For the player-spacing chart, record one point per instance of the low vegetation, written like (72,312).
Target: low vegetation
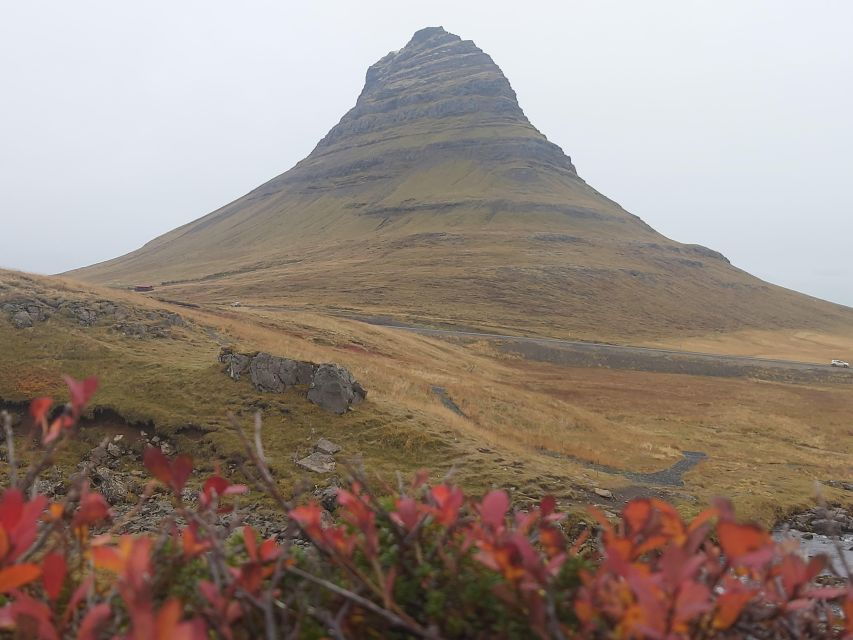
(416,560)
(530,428)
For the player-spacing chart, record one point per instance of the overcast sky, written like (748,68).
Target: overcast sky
(724,123)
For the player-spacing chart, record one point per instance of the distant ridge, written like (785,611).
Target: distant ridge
(435,200)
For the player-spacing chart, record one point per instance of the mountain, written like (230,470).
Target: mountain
(434,200)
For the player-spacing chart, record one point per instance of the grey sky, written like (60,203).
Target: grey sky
(725,123)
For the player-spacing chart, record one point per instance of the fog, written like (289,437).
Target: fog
(724,123)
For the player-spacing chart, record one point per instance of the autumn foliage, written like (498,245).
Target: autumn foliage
(417,560)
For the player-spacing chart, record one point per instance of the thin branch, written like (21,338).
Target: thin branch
(10,448)
(394,619)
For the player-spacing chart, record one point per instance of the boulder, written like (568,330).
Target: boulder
(334,389)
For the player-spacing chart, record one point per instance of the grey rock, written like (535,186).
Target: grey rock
(335,389)
(275,374)
(22,320)
(326,446)
(114,450)
(331,386)
(318,463)
(237,363)
(113,487)
(604,493)
(328,497)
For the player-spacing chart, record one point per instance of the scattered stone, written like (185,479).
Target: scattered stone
(113,450)
(808,536)
(325,446)
(328,497)
(318,463)
(603,493)
(113,487)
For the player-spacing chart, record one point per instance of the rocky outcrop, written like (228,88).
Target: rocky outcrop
(330,386)
(26,312)
(827,521)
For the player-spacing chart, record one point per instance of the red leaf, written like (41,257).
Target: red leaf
(32,612)
(81,391)
(407,514)
(93,509)
(157,464)
(494,507)
(449,500)
(11,507)
(182,467)
(54,569)
(18,575)
(547,506)
(94,618)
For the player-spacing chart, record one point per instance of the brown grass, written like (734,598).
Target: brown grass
(768,443)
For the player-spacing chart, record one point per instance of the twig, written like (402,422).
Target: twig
(394,619)
(10,448)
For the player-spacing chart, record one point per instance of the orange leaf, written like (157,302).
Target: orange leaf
(729,607)
(39,408)
(740,539)
(4,543)
(167,619)
(18,575)
(636,514)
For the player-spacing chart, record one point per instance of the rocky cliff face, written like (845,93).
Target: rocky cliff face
(440,79)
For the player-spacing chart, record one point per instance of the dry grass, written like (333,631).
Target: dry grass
(800,345)
(768,443)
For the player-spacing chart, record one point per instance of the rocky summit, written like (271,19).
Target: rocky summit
(434,200)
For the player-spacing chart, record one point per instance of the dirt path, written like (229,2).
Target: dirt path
(669,477)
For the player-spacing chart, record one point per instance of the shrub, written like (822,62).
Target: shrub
(418,560)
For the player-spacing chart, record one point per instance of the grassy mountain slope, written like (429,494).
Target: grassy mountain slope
(766,443)
(435,200)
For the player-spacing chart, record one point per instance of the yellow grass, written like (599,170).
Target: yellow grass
(767,442)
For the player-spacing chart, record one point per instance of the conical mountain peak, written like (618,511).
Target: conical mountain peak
(436,75)
(434,198)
